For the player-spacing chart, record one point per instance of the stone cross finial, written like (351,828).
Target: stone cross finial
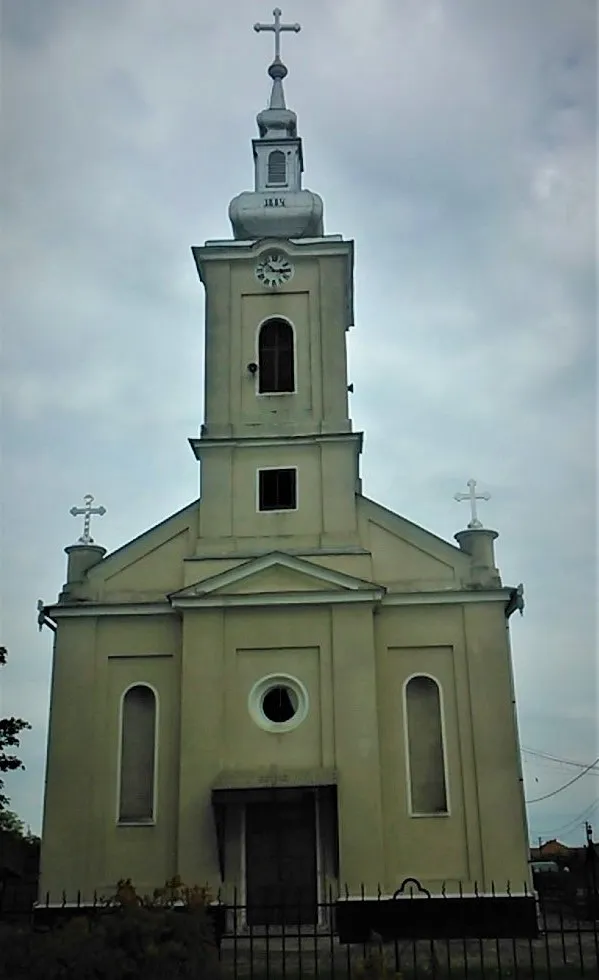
(277,28)
(473,496)
(86,512)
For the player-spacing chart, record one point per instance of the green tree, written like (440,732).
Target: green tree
(10,730)
(12,823)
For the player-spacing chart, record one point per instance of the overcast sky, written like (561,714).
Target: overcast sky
(454,140)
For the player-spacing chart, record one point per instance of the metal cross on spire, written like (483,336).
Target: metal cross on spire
(473,496)
(277,28)
(86,512)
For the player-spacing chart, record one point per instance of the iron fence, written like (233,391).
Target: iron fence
(271,942)
(565,942)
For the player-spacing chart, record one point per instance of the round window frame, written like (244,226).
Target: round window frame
(259,691)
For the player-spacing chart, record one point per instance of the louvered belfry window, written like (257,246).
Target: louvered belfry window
(426,754)
(277,167)
(275,355)
(138,740)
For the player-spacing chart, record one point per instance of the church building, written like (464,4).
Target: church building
(284,690)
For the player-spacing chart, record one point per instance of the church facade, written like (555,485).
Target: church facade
(285,689)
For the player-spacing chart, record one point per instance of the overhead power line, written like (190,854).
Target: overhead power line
(535,765)
(555,758)
(574,822)
(565,786)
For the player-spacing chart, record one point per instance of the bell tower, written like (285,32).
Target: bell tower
(279,459)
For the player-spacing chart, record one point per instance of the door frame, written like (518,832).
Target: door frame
(321,912)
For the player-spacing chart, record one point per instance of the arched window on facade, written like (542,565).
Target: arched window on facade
(276,369)
(138,750)
(426,755)
(277,167)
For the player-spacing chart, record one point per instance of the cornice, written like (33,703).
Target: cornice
(447,597)
(309,598)
(87,609)
(219,249)
(376,596)
(247,442)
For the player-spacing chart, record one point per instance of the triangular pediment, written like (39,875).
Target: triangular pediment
(408,557)
(147,567)
(277,574)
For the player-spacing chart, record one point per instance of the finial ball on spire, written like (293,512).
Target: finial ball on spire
(277,70)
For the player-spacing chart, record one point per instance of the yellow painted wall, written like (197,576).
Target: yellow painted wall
(326,486)
(160,570)
(94,663)
(315,301)
(354,660)
(145,854)
(495,745)
(353,657)
(67,832)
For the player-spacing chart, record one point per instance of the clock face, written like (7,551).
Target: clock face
(274,269)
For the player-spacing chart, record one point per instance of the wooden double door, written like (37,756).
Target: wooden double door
(280,860)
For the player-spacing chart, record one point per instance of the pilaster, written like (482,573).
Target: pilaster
(361,848)
(496,754)
(201,714)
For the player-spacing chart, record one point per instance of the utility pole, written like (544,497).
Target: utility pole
(591,869)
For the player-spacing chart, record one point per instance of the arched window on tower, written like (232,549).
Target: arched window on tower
(425,749)
(138,750)
(276,369)
(277,167)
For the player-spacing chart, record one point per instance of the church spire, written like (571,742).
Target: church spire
(278,207)
(277,117)
(277,120)
(277,71)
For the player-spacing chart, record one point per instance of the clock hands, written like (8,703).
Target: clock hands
(274,270)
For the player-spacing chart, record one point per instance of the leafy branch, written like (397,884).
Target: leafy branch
(10,730)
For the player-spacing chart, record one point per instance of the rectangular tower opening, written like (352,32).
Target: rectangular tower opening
(277,489)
